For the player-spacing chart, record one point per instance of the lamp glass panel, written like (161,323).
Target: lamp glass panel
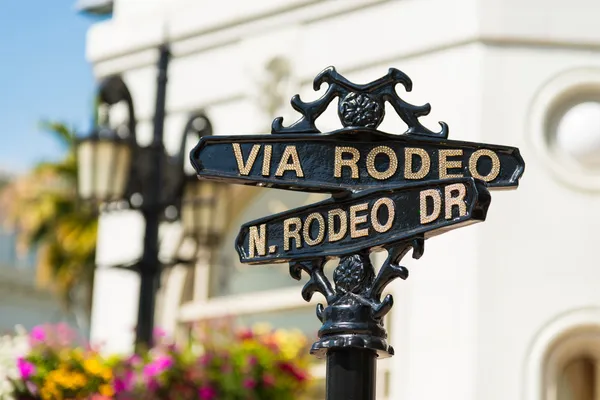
(85,168)
(121,173)
(112,160)
(204,211)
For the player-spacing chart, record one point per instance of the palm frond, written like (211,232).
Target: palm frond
(61,131)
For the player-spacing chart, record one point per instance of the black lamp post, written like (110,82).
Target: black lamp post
(114,168)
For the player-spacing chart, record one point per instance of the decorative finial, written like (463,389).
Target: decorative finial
(359,106)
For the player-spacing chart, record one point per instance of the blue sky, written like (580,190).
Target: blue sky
(43,75)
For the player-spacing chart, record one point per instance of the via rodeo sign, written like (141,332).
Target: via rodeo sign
(390,192)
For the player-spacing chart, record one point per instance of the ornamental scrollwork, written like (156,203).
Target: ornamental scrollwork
(354,300)
(359,106)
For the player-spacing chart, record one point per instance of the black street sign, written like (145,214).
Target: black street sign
(390,192)
(366,220)
(352,159)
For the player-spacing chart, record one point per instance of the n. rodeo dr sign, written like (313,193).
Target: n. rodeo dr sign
(369,219)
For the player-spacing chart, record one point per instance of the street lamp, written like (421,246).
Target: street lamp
(114,168)
(205,206)
(104,157)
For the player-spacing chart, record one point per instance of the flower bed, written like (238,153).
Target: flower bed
(220,363)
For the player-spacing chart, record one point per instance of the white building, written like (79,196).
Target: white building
(508,309)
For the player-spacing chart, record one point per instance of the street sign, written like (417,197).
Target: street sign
(389,192)
(352,159)
(373,219)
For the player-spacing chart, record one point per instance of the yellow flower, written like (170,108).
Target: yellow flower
(77,354)
(290,342)
(106,390)
(106,374)
(262,328)
(93,366)
(78,380)
(67,379)
(50,392)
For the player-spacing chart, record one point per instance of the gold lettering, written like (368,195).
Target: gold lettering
(355,220)
(257,240)
(266,168)
(381,228)
(340,162)
(458,200)
(237,151)
(437,205)
(445,164)
(341,214)
(291,234)
(307,225)
(409,152)
(392,166)
(290,152)
(493,174)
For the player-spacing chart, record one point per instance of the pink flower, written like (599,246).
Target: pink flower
(205,359)
(249,383)
(163,363)
(26,369)
(153,385)
(268,380)
(31,387)
(37,334)
(157,366)
(134,360)
(124,384)
(252,360)
(207,393)
(65,335)
(245,334)
(291,369)
(159,333)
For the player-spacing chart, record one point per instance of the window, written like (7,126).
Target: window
(564,122)
(577,380)
(573,366)
(575,132)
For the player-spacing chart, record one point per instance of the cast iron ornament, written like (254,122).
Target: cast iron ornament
(354,313)
(360,106)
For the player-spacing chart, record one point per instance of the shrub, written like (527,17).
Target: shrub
(219,363)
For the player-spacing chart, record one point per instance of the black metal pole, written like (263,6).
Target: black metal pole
(150,267)
(351,374)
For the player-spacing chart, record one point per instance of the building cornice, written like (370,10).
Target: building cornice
(189,32)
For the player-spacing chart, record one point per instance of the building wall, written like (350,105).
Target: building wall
(468,323)
(542,263)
